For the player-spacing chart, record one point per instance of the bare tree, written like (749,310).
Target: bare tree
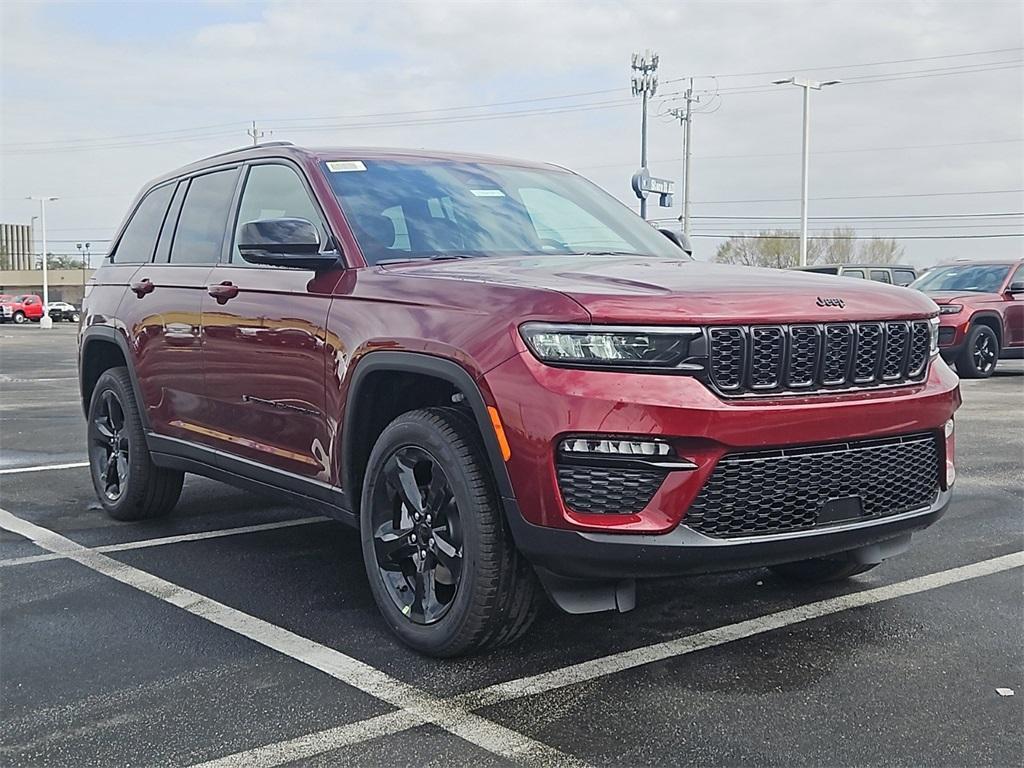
(781,249)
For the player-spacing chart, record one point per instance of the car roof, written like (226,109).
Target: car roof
(279,149)
(812,267)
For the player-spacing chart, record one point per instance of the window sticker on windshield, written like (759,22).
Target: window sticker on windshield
(345,166)
(487,192)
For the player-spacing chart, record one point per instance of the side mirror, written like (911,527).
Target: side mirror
(1017,286)
(283,243)
(679,239)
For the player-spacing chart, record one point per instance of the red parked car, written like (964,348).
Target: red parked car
(981,313)
(21,309)
(506,381)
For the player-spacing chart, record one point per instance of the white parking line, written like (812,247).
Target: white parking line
(178,539)
(421,705)
(280,753)
(43,468)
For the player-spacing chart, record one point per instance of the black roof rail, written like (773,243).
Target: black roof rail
(254,146)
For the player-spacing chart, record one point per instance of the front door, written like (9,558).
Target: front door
(1013,317)
(264,333)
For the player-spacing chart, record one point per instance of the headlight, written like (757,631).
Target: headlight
(950,309)
(610,346)
(933,326)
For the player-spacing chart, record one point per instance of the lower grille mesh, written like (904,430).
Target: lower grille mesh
(752,494)
(607,489)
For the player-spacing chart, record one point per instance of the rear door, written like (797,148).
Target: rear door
(163,306)
(264,329)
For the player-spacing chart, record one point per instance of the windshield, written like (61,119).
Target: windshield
(426,208)
(981,278)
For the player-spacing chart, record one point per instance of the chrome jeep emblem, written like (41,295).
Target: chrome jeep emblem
(831,301)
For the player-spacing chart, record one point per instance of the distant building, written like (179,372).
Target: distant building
(16,246)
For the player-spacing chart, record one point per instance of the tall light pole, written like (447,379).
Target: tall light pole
(44,321)
(645,83)
(807,85)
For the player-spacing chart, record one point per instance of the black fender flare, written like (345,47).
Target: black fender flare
(429,365)
(109,334)
(986,314)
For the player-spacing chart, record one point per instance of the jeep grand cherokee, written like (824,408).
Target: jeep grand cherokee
(506,381)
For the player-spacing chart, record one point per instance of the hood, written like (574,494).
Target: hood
(955,297)
(633,289)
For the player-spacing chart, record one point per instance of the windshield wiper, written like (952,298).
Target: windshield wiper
(435,257)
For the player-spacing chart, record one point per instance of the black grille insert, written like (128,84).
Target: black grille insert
(608,490)
(767,359)
(766,492)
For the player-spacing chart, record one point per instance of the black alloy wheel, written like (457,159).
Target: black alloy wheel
(109,446)
(417,535)
(440,560)
(127,482)
(980,355)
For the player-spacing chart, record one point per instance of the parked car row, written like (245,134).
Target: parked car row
(29,306)
(981,306)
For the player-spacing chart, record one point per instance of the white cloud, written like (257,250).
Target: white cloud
(300,59)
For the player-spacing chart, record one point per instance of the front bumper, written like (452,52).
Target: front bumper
(540,405)
(611,556)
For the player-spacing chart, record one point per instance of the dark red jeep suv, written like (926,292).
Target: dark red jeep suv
(981,313)
(506,381)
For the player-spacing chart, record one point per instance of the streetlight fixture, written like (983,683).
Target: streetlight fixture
(807,85)
(45,321)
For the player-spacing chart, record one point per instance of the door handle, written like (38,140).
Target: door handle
(142,287)
(223,291)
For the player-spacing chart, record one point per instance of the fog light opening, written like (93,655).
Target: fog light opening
(615,447)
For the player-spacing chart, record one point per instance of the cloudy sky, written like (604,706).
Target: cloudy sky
(98,98)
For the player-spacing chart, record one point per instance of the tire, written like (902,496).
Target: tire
(133,488)
(482,592)
(821,569)
(19,317)
(980,354)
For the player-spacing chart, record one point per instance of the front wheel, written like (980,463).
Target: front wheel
(129,485)
(821,569)
(980,355)
(19,317)
(442,566)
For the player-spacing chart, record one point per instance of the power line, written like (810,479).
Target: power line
(860,237)
(201,132)
(862,197)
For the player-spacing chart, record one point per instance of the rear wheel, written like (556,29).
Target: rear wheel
(128,484)
(822,569)
(980,355)
(440,560)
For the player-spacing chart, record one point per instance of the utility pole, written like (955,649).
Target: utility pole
(685,117)
(645,84)
(45,321)
(256,134)
(807,85)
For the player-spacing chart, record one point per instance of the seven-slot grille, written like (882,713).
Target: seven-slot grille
(766,492)
(762,359)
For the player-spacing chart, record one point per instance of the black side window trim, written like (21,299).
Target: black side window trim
(333,240)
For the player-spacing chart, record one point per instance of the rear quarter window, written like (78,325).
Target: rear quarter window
(139,239)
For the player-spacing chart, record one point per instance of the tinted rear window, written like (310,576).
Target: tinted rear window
(139,238)
(904,276)
(199,236)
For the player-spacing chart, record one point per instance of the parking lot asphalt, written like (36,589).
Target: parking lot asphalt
(242,631)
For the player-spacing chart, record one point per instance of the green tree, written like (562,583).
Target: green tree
(62,261)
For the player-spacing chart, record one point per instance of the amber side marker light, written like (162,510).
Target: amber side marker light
(499,432)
